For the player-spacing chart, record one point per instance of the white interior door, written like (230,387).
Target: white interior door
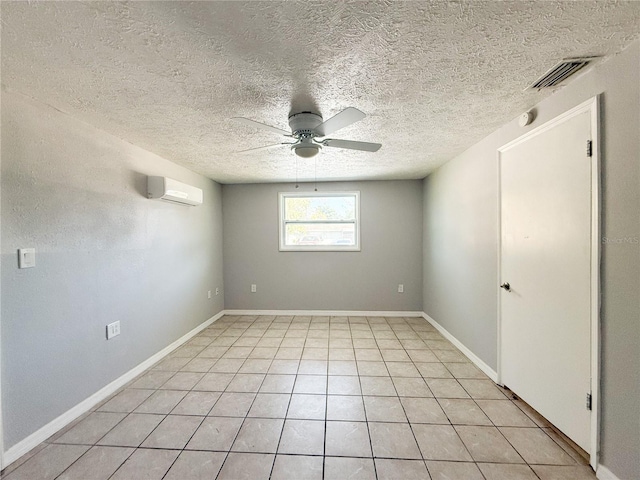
(545,331)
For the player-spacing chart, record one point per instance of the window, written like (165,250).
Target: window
(320,221)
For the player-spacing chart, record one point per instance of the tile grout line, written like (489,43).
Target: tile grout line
(213,406)
(127,414)
(260,324)
(415,439)
(228,453)
(275,456)
(448,418)
(200,424)
(364,408)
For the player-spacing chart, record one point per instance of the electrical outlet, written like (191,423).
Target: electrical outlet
(400,288)
(113,330)
(217,291)
(254,288)
(209,294)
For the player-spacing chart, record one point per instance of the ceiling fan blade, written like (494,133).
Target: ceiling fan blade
(340,120)
(352,145)
(264,126)
(266,147)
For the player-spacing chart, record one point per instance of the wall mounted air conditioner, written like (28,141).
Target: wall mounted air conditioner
(170,190)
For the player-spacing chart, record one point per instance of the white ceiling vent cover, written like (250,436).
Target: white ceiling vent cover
(559,73)
(170,190)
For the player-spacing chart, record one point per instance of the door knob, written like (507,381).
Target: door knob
(506,286)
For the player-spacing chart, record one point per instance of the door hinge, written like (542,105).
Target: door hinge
(589,148)
(588,401)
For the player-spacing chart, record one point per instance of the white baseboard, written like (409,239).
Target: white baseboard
(332,313)
(33,440)
(603,473)
(490,372)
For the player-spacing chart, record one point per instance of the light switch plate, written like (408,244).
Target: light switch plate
(26,257)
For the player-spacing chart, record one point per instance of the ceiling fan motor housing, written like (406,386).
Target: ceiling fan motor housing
(303,124)
(303,127)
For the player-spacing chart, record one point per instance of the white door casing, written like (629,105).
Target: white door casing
(549,254)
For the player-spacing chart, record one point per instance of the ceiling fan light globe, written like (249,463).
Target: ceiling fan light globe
(306,151)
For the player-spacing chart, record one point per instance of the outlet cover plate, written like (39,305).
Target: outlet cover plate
(113,330)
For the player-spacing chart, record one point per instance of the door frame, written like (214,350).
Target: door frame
(2,459)
(591,106)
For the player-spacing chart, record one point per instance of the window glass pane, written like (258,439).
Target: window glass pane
(320,208)
(328,234)
(319,221)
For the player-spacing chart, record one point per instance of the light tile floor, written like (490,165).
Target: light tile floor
(309,398)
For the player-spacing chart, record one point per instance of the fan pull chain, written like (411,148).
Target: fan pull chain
(297,172)
(315,174)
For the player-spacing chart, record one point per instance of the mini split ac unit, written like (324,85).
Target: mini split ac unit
(170,190)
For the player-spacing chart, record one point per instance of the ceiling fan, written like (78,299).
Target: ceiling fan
(308,130)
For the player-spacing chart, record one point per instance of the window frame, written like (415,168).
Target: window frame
(282,223)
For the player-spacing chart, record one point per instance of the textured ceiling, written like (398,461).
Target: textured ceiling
(433,77)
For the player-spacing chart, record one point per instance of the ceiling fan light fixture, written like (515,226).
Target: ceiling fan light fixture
(304,150)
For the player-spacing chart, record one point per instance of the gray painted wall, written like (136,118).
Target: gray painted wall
(391,226)
(460,227)
(104,252)
(460,246)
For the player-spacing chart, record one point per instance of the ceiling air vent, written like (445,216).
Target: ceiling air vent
(560,72)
